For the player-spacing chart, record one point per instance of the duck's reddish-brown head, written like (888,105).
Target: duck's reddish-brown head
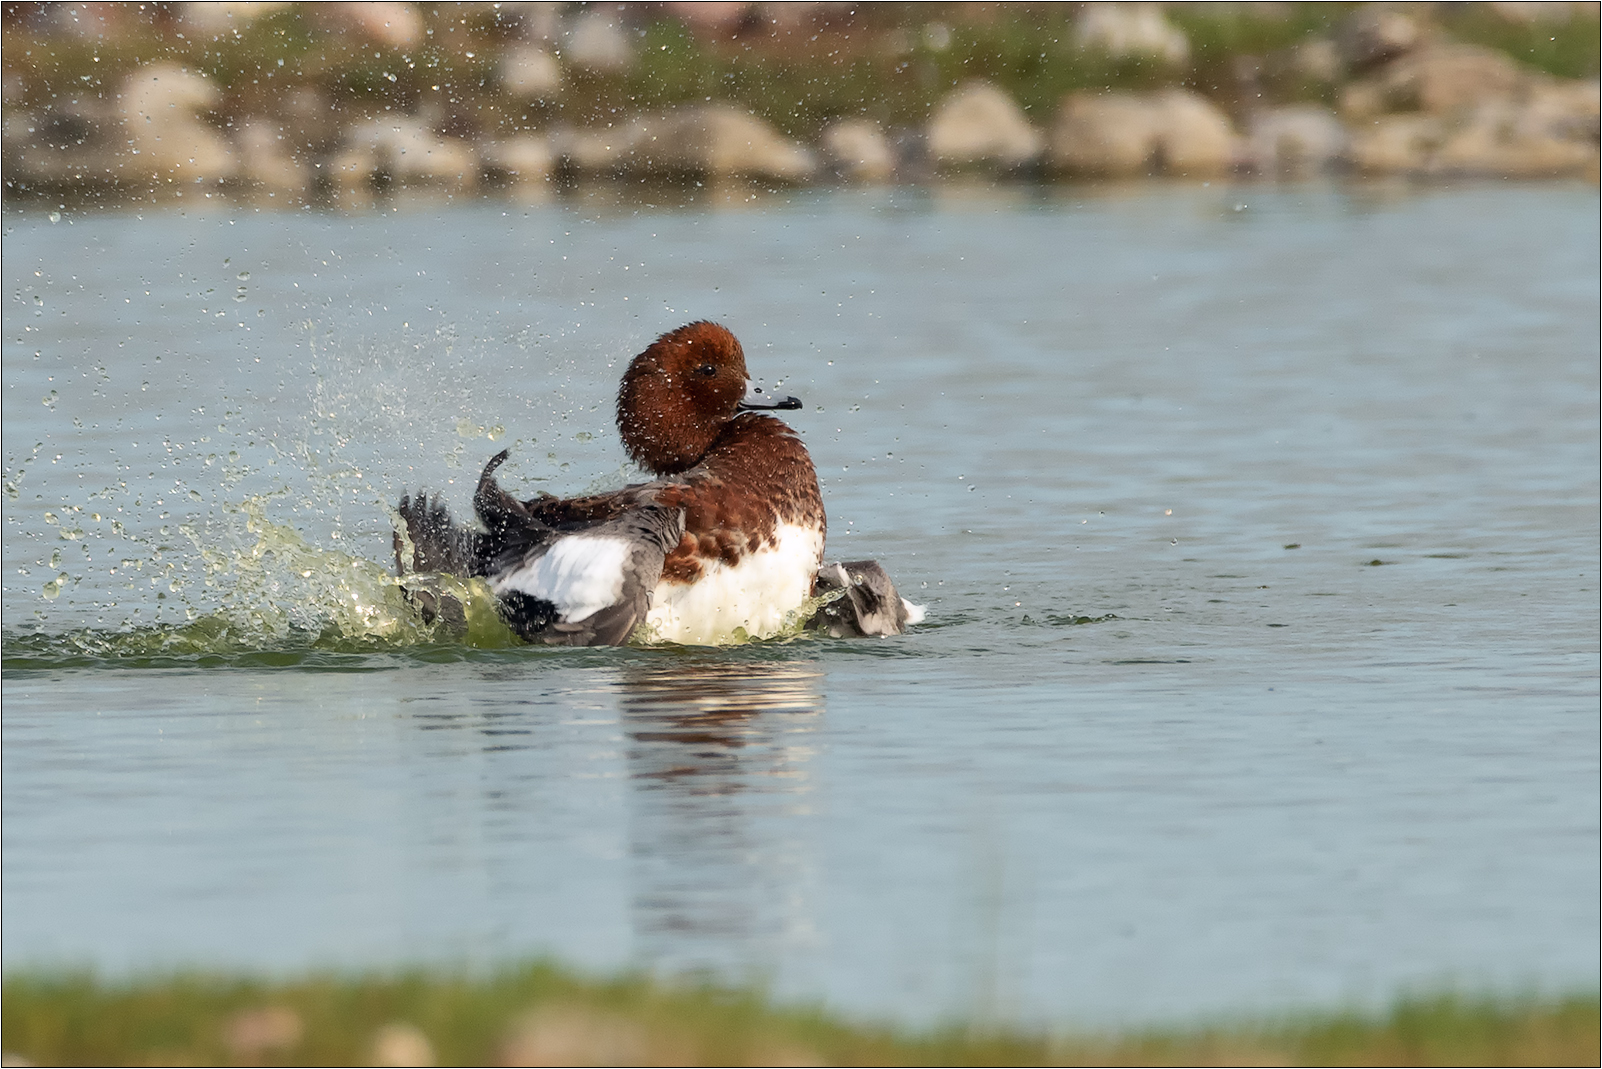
(677,396)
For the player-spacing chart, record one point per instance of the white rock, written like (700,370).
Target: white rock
(161,106)
(223,16)
(601,148)
(267,162)
(859,150)
(1545,11)
(401,1044)
(1194,135)
(1506,140)
(571,1034)
(1564,108)
(408,151)
(1442,78)
(1319,59)
(979,123)
(1105,134)
(1396,143)
(719,140)
(1121,30)
(1119,134)
(1299,139)
(392,25)
(1438,79)
(533,20)
(529,72)
(597,42)
(523,158)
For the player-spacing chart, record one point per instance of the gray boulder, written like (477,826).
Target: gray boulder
(1375,34)
(76,140)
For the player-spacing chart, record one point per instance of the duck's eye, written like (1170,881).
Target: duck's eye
(706,369)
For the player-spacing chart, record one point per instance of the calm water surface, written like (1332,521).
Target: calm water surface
(1258,529)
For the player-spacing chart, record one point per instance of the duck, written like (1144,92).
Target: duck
(725,542)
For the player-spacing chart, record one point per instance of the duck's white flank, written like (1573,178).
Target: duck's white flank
(580,574)
(752,596)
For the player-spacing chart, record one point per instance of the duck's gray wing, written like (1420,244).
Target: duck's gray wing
(587,584)
(869,604)
(586,587)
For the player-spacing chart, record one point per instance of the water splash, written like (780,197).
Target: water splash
(271,591)
(281,585)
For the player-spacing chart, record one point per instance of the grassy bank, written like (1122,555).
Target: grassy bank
(541,1015)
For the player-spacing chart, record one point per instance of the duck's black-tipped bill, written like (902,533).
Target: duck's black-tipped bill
(757,398)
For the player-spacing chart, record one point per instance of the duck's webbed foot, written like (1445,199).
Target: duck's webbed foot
(869,605)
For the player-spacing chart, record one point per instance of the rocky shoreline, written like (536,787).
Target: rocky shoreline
(287,104)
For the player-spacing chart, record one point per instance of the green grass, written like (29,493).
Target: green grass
(1568,48)
(519,1013)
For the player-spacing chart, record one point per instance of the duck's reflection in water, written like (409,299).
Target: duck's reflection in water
(722,869)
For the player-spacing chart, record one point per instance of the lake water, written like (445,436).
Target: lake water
(1258,528)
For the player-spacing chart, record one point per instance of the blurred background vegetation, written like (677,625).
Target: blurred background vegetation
(281,91)
(798,68)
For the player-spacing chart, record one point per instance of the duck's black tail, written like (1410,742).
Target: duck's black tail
(429,544)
